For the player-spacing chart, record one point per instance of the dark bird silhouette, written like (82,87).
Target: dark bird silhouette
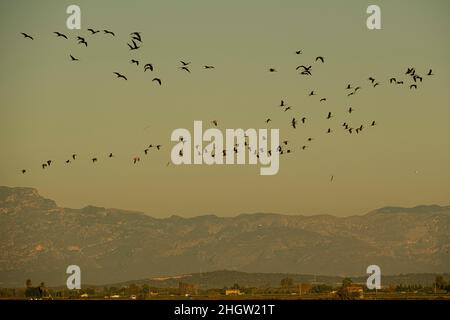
(148,66)
(329,115)
(158,147)
(305,68)
(323,99)
(331,178)
(73,58)
(24,171)
(44,165)
(120,75)
(413,86)
(146,151)
(376,84)
(310,139)
(399,82)
(298,52)
(82,41)
(186,69)
(110,155)
(430,73)
(92,31)
(136,36)
(294,123)
(303,119)
(208,67)
(304,147)
(351,93)
(373,123)
(329,130)
(134,45)
(136,159)
(185,63)
(109,32)
(135,61)
(272,70)
(74,156)
(49,162)
(417,77)
(350,110)
(59,34)
(157,80)
(357,88)
(26,35)
(67,161)
(287,108)
(312,93)
(215,123)
(94,160)
(371,79)
(392,80)
(282,104)
(348,87)
(268,120)
(410,71)
(319,58)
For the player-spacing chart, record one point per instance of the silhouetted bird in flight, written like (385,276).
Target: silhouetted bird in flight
(413,86)
(282,104)
(136,159)
(73,58)
(27,35)
(185,63)
(44,165)
(323,99)
(392,80)
(373,123)
(329,115)
(319,58)
(136,36)
(215,123)
(329,130)
(186,69)
(109,32)
(23,171)
(120,75)
(312,93)
(81,40)
(148,66)
(49,162)
(417,77)
(134,46)
(157,80)
(135,61)
(303,119)
(350,110)
(376,84)
(305,68)
(110,155)
(268,120)
(371,79)
(294,123)
(430,73)
(158,147)
(59,34)
(272,70)
(287,108)
(348,87)
(208,67)
(94,160)
(146,150)
(92,31)
(298,52)
(410,71)
(74,156)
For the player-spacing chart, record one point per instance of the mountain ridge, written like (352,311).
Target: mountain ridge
(38,239)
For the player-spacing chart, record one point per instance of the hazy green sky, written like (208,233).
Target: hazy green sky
(52,107)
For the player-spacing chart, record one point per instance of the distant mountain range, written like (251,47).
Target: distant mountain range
(38,240)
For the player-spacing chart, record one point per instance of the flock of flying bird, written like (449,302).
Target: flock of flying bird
(304,70)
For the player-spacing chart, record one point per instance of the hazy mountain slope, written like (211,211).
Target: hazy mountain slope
(39,240)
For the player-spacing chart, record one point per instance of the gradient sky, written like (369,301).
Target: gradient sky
(51,107)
